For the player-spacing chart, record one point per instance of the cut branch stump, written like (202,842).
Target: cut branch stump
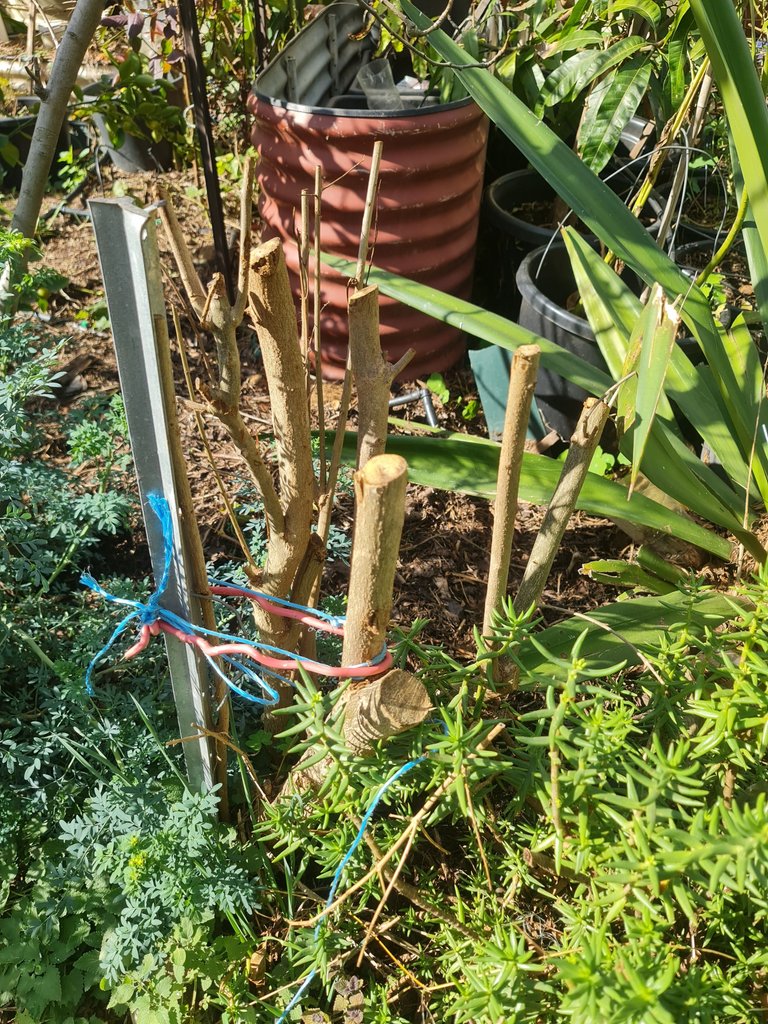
(372,373)
(397,701)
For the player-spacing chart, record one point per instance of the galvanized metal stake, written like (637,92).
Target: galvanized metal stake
(130,265)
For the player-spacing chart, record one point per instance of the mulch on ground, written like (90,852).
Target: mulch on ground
(446,539)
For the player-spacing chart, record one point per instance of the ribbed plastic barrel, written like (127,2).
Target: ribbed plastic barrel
(427,212)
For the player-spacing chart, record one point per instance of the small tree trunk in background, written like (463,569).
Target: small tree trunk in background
(53,110)
(31,27)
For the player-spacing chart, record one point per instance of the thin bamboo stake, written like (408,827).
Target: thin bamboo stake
(697,122)
(31,28)
(522,380)
(316,332)
(370,206)
(585,438)
(304,273)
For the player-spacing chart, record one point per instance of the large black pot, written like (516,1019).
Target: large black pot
(514,234)
(546,283)
(504,197)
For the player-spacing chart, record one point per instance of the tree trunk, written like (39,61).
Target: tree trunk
(53,109)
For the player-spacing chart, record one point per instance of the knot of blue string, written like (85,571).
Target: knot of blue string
(146,613)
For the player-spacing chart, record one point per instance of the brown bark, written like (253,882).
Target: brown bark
(274,317)
(379,515)
(263,282)
(585,438)
(373,375)
(522,380)
(370,713)
(371,372)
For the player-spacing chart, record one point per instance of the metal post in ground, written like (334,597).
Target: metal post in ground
(130,265)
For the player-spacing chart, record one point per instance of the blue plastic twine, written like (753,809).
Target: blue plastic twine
(145,613)
(338,873)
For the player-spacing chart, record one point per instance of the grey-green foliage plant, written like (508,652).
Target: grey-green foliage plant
(139,874)
(605,860)
(48,518)
(55,747)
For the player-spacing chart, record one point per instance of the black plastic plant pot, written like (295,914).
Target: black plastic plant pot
(511,206)
(704,189)
(546,284)
(134,153)
(18,132)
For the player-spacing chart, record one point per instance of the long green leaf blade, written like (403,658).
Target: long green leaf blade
(607,300)
(610,105)
(647,9)
(579,71)
(479,323)
(455,463)
(626,630)
(726,45)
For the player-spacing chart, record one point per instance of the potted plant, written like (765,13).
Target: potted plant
(139,118)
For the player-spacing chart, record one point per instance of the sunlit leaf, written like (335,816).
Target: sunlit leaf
(579,71)
(470,465)
(609,106)
(656,345)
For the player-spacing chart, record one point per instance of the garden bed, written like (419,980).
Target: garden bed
(446,539)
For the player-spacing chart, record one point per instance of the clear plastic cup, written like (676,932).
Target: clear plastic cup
(376,81)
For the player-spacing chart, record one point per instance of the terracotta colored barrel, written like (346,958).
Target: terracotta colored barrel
(426,227)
